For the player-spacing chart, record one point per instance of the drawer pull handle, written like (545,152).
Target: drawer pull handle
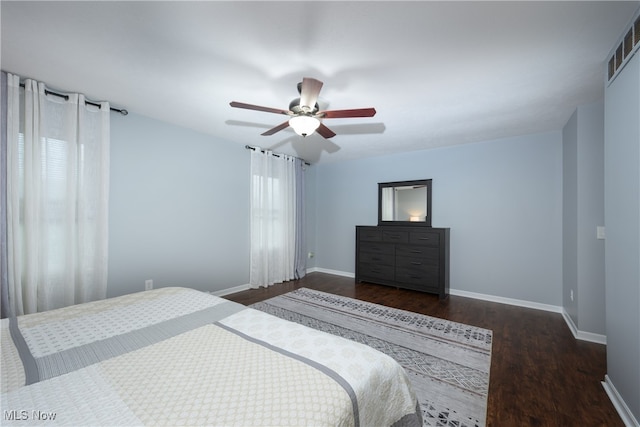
(415,263)
(416,251)
(424,238)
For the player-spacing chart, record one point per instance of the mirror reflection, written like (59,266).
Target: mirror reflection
(405,202)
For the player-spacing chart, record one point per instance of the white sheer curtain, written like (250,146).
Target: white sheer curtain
(275,219)
(57,198)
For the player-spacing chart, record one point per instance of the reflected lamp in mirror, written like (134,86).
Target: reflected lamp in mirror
(405,203)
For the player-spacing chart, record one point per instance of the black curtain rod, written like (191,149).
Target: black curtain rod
(248,147)
(66,98)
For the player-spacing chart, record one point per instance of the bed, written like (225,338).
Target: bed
(177,356)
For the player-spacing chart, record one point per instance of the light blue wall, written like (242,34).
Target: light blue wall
(622,245)
(502,200)
(570,217)
(179,208)
(310,212)
(583,211)
(591,273)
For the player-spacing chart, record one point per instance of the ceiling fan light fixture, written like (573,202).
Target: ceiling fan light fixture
(304,112)
(304,125)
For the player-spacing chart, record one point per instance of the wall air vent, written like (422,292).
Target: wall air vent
(628,43)
(625,49)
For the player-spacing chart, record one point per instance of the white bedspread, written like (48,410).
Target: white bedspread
(176,356)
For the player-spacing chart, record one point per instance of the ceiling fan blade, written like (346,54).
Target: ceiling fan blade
(325,131)
(258,108)
(276,129)
(309,93)
(358,112)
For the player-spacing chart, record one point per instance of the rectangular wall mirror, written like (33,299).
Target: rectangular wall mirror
(405,203)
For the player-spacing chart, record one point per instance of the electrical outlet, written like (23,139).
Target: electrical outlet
(311,255)
(148,284)
(600,233)
(571,294)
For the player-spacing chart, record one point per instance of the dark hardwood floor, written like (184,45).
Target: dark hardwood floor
(540,374)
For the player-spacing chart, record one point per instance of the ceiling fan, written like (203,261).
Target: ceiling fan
(304,112)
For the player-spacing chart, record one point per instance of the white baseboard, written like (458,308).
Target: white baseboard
(581,335)
(577,334)
(230,291)
(328,271)
(509,301)
(622,408)
(247,286)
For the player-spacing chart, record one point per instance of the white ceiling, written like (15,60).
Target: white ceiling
(438,73)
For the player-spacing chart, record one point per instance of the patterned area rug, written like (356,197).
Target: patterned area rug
(448,363)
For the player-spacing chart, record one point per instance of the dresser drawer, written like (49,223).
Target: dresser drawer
(417,264)
(426,276)
(369,234)
(395,236)
(427,238)
(417,251)
(376,258)
(375,271)
(377,248)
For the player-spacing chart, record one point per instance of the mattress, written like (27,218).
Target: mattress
(176,356)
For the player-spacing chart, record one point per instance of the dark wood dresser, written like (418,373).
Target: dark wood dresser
(405,257)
